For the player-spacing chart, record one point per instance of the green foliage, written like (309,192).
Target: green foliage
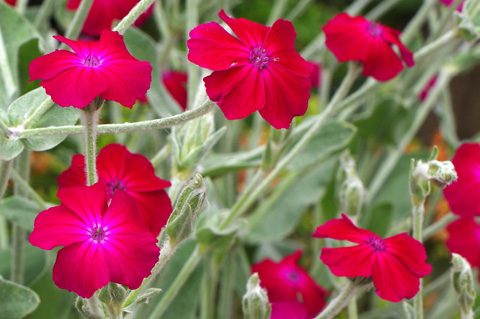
(16,300)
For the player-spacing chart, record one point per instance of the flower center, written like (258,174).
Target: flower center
(113,186)
(97,234)
(259,57)
(91,61)
(375,29)
(293,276)
(376,243)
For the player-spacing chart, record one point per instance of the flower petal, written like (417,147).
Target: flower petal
(50,65)
(74,175)
(287,95)
(211,47)
(239,91)
(81,268)
(380,60)
(58,226)
(351,261)
(252,34)
(409,252)
(342,229)
(289,310)
(154,208)
(464,239)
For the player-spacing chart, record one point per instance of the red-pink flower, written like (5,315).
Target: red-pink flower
(104,12)
(258,71)
(395,264)
(102,243)
(117,168)
(176,84)
(289,310)
(287,281)
(464,239)
(11,2)
(463,195)
(368,42)
(315,75)
(426,90)
(103,68)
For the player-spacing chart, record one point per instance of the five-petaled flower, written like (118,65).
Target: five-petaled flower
(287,281)
(104,12)
(464,239)
(463,196)
(258,71)
(104,68)
(368,42)
(118,169)
(395,264)
(102,242)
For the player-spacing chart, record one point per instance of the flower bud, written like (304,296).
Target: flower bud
(84,309)
(439,173)
(463,283)
(113,295)
(255,301)
(189,203)
(351,193)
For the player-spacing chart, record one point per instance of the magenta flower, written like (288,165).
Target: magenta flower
(258,71)
(103,68)
(104,12)
(102,243)
(426,90)
(287,281)
(463,195)
(395,264)
(464,239)
(117,168)
(368,42)
(315,75)
(176,84)
(11,2)
(289,310)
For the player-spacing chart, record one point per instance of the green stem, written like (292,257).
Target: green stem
(93,305)
(21,6)
(417,220)
(244,202)
(416,23)
(193,70)
(349,290)
(439,225)
(6,72)
(382,8)
(75,27)
(130,18)
(89,118)
(352,308)
(277,11)
(45,10)
(229,275)
(28,190)
(5,170)
(298,9)
(39,111)
(124,127)
(176,285)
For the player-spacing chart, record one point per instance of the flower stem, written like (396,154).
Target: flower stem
(5,170)
(124,127)
(439,225)
(75,27)
(21,5)
(415,24)
(174,288)
(89,118)
(6,72)
(349,290)
(130,18)
(39,111)
(417,220)
(45,10)
(27,189)
(94,307)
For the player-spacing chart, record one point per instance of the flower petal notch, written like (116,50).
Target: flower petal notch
(357,39)
(464,194)
(287,281)
(118,169)
(259,70)
(395,264)
(102,242)
(103,68)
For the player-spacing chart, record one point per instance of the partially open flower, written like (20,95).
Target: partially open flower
(104,68)
(368,42)
(395,264)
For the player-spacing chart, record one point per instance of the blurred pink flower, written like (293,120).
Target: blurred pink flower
(104,12)
(395,264)
(176,84)
(287,281)
(11,2)
(463,195)
(258,71)
(464,239)
(430,84)
(102,242)
(368,42)
(118,169)
(289,310)
(104,68)
(315,75)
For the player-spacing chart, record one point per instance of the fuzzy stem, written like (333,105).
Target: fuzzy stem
(349,290)
(39,111)
(27,189)
(75,27)
(417,217)
(415,24)
(124,127)
(130,18)
(21,5)
(5,170)
(93,305)
(89,118)
(45,11)
(6,72)
(176,285)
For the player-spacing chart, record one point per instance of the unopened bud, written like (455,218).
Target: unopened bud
(351,192)
(463,283)
(85,309)
(190,202)
(255,301)
(439,173)
(113,295)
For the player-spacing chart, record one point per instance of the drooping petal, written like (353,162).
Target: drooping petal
(287,95)
(392,280)
(279,44)
(409,252)
(58,226)
(81,268)
(154,207)
(239,91)
(464,239)
(211,47)
(463,194)
(342,229)
(252,34)
(74,175)
(380,61)
(351,261)
(392,36)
